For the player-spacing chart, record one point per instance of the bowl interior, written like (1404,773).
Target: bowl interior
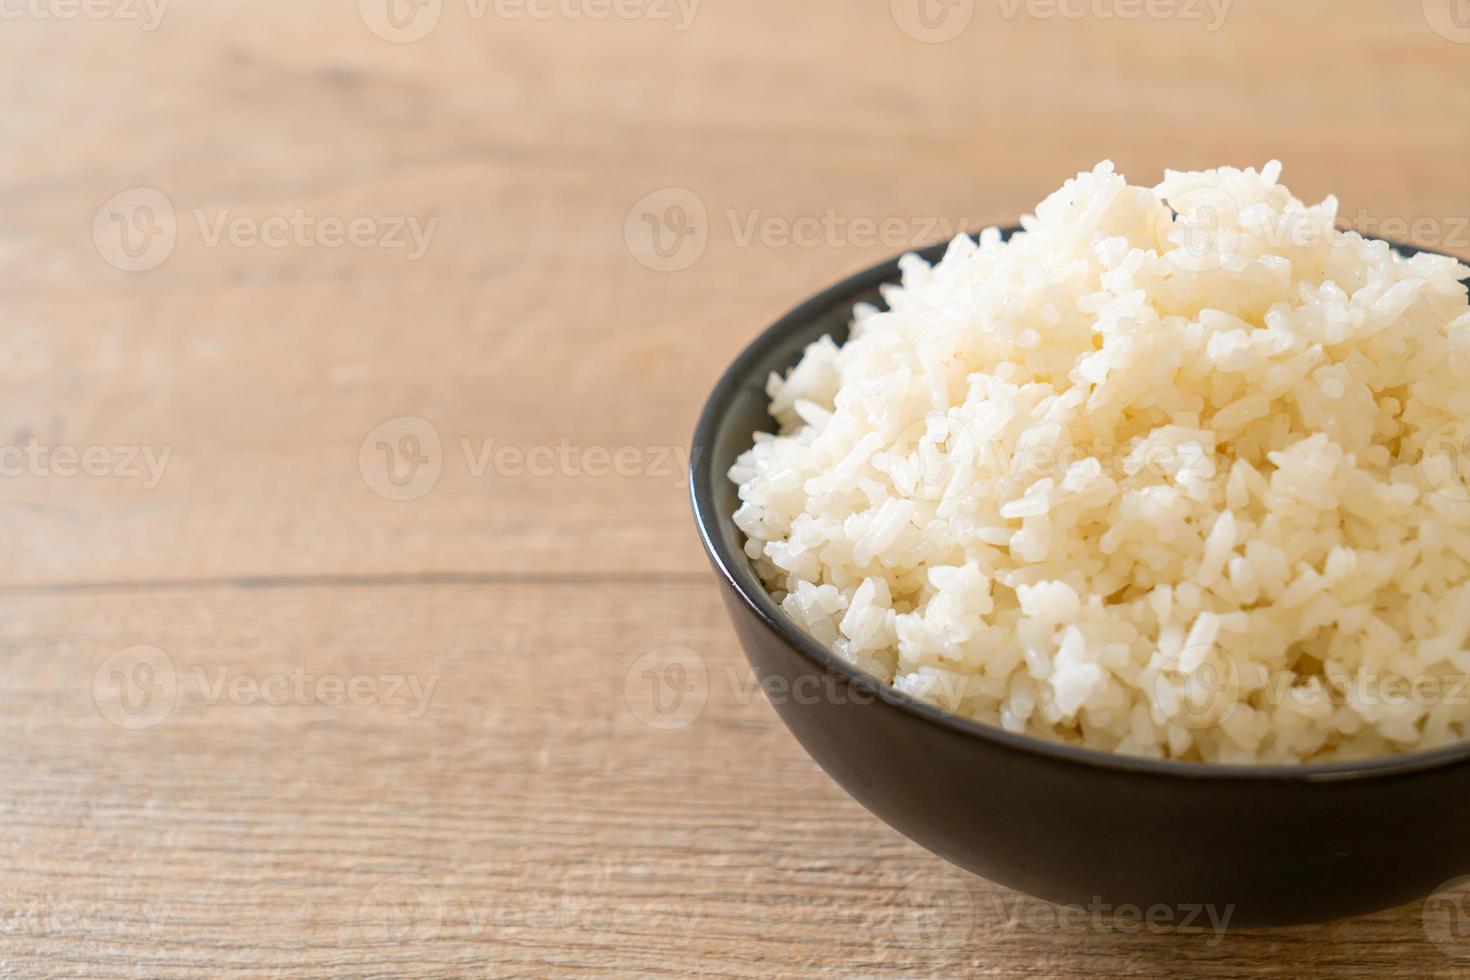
(738,408)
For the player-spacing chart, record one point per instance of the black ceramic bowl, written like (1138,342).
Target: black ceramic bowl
(1282,845)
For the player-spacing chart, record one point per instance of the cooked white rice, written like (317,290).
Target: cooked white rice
(1172,473)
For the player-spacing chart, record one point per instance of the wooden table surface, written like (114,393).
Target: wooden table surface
(346,556)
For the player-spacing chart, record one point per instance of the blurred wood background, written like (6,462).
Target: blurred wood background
(267,718)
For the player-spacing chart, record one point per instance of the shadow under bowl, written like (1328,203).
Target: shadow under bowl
(1275,845)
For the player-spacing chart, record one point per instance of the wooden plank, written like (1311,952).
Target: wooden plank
(261,370)
(519,817)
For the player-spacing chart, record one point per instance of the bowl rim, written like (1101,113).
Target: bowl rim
(735,571)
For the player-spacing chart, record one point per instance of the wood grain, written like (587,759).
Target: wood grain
(521,815)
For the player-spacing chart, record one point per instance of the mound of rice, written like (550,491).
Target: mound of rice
(1173,473)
